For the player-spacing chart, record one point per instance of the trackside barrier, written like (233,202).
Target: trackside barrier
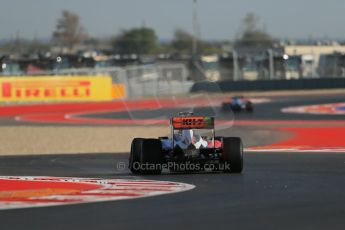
(138,81)
(58,88)
(118,91)
(262,85)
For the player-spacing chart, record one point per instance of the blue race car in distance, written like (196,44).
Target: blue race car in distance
(238,104)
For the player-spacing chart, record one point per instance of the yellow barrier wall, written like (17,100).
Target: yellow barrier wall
(56,88)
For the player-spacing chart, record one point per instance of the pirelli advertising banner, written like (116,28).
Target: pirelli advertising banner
(56,88)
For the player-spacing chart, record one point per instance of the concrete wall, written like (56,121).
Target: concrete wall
(262,85)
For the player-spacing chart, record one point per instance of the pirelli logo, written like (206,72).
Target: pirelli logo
(56,88)
(15,90)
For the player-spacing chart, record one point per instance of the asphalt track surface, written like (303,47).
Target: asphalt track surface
(275,191)
(265,111)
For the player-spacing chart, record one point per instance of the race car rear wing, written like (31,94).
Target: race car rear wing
(192,122)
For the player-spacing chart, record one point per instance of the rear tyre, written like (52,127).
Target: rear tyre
(233,154)
(134,157)
(151,157)
(146,156)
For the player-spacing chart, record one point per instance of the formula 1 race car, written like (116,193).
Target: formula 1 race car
(188,149)
(238,104)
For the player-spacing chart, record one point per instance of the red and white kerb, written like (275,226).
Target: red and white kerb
(28,191)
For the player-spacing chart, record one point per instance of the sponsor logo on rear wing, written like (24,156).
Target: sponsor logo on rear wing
(192,122)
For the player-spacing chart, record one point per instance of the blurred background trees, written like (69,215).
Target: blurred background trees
(69,36)
(136,41)
(182,44)
(69,32)
(252,35)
